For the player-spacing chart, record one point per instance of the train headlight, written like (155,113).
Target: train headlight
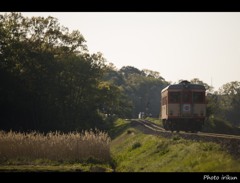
(186,107)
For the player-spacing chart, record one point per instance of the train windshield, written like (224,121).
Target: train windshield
(186,98)
(174,97)
(198,97)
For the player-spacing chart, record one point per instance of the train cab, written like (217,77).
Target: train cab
(183,106)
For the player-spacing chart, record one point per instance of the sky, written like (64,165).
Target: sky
(178,45)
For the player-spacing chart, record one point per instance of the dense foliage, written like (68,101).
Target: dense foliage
(49,81)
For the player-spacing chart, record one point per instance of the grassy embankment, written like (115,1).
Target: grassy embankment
(134,151)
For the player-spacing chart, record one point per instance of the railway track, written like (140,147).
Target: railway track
(151,125)
(226,136)
(158,128)
(230,142)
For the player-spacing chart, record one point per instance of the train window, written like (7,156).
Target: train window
(198,97)
(174,97)
(186,97)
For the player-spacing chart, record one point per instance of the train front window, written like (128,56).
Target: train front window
(198,97)
(174,97)
(186,98)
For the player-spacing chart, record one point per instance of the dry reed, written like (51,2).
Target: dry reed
(55,145)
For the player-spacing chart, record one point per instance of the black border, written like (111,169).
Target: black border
(118,176)
(118,6)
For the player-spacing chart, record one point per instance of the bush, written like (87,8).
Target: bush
(136,145)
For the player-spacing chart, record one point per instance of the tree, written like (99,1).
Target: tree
(49,81)
(144,91)
(209,89)
(213,105)
(113,101)
(130,70)
(230,103)
(112,75)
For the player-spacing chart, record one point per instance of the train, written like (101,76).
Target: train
(183,107)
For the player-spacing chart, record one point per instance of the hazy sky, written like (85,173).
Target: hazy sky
(179,45)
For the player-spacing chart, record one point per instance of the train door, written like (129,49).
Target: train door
(186,107)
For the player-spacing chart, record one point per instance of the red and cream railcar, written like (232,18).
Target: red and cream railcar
(183,107)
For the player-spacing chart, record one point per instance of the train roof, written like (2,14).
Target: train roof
(185,85)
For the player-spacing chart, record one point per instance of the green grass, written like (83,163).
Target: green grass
(45,165)
(157,121)
(134,151)
(51,168)
(118,127)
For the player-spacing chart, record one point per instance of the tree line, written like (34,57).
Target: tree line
(50,81)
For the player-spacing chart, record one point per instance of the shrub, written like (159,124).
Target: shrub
(136,145)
